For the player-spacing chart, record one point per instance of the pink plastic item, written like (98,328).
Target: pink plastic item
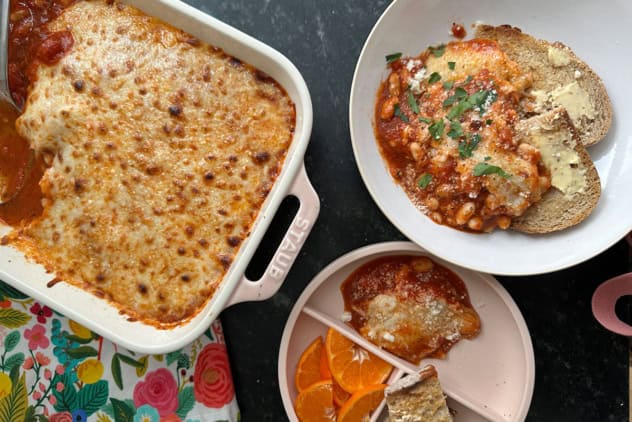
(604,300)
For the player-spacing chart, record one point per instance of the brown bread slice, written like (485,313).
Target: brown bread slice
(554,66)
(557,210)
(417,397)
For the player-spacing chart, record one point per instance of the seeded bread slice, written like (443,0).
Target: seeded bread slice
(559,77)
(576,185)
(417,397)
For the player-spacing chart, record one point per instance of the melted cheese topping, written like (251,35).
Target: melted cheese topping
(161,150)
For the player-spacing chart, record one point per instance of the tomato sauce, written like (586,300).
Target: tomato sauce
(29,45)
(30,42)
(23,170)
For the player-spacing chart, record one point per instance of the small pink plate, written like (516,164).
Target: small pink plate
(490,377)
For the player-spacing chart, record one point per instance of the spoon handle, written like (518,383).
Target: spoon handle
(4,51)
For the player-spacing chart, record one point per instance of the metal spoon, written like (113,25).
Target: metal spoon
(5,94)
(6,193)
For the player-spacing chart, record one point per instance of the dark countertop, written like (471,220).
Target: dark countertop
(581,369)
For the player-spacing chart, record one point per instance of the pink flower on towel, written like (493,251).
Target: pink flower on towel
(159,390)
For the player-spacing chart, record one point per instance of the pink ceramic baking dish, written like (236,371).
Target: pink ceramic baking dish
(105,319)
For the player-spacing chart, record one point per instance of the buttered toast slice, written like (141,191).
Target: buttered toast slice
(560,79)
(417,397)
(575,182)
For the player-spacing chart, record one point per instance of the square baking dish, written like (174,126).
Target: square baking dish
(104,318)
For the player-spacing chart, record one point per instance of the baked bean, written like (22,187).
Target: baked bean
(503,222)
(475,223)
(422,264)
(416,151)
(432,203)
(444,190)
(405,134)
(393,84)
(436,217)
(465,212)
(404,76)
(492,201)
(388,108)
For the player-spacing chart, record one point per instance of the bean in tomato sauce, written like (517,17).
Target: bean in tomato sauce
(445,125)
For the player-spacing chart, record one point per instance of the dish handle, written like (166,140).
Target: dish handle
(255,290)
(604,300)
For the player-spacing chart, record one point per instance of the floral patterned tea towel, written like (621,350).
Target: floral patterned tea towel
(53,369)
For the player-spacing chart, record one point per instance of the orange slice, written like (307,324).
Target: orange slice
(351,366)
(361,404)
(316,403)
(325,373)
(308,370)
(340,395)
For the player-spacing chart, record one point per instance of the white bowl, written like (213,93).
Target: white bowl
(490,377)
(598,33)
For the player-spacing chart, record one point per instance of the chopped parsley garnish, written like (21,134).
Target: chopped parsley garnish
(483,169)
(456,130)
(413,103)
(461,107)
(398,112)
(467,80)
(448,85)
(436,129)
(488,122)
(424,180)
(450,100)
(434,77)
(451,65)
(425,120)
(393,57)
(460,93)
(478,99)
(438,50)
(467,147)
